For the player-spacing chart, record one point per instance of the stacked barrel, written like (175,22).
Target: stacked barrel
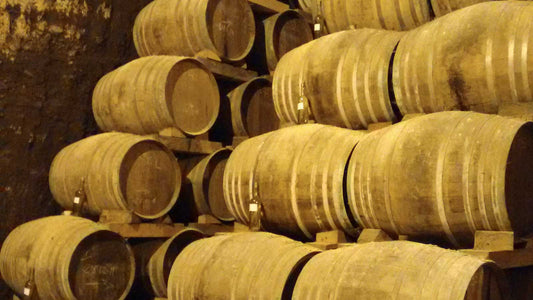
(444,167)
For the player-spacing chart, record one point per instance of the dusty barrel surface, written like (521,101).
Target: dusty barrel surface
(120,172)
(398,270)
(67,258)
(284,32)
(344,76)
(441,66)
(444,176)
(442,7)
(207,185)
(187,27)
(155,259)
(297,175)
(380,14)
(153,93)
(238,266)
(252,108)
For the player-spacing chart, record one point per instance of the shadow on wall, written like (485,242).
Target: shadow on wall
(52,53)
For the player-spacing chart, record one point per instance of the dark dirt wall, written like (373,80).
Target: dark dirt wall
(52,52)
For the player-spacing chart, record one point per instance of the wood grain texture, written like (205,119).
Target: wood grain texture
(475,59)
(443,176)
(67,258)
(343,75)
(284,32)
(153,93)
(296,173)
(252,108)
(396,270)
(187,27)
(121,171)
(238,266)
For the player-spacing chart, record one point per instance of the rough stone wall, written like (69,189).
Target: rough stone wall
(52,53)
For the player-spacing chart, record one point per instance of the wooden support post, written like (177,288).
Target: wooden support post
(227,72)
(494,240)
(373,235)
(189,146)
(119,217)
(331,237)
(269,6)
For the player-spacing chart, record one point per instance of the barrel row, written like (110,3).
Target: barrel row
(233,266)
(119,171)
(357,77)
(397,15)
(469,174)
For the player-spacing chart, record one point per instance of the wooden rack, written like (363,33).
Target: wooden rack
(269,6)
(227,72)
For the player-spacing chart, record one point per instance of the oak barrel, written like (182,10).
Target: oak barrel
(120,172)
(444,176)
(380,14)
(239,266)
(296,173)
(155,258)
(442,7)
(283,32)
(188,27)
(153,93)
(344,76)
(252,108)
(67,258)
(472,59)
(398,270)
(207,185)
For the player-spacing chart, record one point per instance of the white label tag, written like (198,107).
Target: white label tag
(76,200)
(27,291)
(317,27)
(301,106)
(253,207)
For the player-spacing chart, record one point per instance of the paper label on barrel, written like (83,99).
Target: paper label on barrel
(27,291)
(76,200)
(317,27)
(301,106)
(253,207)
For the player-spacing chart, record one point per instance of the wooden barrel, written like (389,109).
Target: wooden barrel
(343,75)
(121,172)
(187,27)
(284,32)
(444,176)
(252,108)
(153,93)
(307,5)
(240,266)
(154,259)
(296,173)
(398,270)
(207,185)
(380,14)
(442,7)
(67,258)
(441,66)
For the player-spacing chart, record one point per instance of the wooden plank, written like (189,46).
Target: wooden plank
(212,229)
(494,240)
(506,259)
(146,230)
(269,6)
(228,72)
(331,237)
(192,146)
(373,235)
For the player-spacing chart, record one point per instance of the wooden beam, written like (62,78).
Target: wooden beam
(269,6)
(146,230)
(192,146)
(506,259)
(226,71)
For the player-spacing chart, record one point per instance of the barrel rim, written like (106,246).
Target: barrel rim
(251,42)
(178,178)
(216,103)
(117,237)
